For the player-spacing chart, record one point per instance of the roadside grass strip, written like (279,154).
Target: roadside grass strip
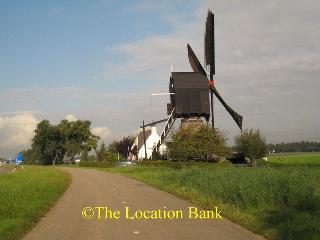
(276,202)
(26,195)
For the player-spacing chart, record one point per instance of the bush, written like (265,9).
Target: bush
(200,144)
(252,144)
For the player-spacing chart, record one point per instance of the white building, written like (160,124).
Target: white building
(152,138)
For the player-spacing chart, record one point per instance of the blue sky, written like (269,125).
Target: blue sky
(67,42)
(100,60)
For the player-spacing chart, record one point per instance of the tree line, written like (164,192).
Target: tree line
(53,144)
(207,144)
(116,150)
(68,140)
(303,146)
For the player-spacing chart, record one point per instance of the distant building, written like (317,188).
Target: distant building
(152,138)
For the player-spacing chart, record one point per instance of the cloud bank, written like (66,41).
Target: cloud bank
(17,131)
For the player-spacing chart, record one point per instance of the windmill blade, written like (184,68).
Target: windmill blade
(197,67)
(237,117)
(209,44)
(194,62)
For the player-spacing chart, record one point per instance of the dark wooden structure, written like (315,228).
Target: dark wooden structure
(189,91)
(190,96)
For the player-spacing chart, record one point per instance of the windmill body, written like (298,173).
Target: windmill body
(190,91)
(190,98)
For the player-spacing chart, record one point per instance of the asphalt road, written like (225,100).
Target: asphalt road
(90,187)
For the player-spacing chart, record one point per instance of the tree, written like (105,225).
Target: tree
(111,156)
(48,143)
(106,154)
(124,145)
(202,143)
(120,147)
(303,146)
(101,152)
(52,143)
(252,144)
(30,156)
(78,138)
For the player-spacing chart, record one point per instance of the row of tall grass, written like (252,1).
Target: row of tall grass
(26,195)
(277,202)
(96,164)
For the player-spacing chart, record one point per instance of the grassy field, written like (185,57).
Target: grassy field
(295,158)
(26,195)
(277,202)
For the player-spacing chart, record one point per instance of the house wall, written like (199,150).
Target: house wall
(150,142)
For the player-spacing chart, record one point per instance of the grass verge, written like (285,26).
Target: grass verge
(26,195)
(277,202)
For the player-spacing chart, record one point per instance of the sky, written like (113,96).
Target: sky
(101,60)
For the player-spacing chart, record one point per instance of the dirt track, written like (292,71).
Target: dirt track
(91,187)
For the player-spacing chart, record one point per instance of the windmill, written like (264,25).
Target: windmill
(209,53)
(189,90)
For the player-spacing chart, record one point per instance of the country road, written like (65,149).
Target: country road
(90,187)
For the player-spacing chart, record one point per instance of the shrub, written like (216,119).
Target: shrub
(252,144)
(200,144)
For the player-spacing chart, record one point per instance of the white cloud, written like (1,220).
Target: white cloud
(16,131)
(70,117)
(102,132)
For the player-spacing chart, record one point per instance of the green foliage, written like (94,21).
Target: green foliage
(54,143)
(304,146)
(252,144)
(111,156)
(31,156)
(47,144)
(26,195)
(279,202)
(124,145)
(101,152)
(203,143)
(112,147)
(106,154)
(121,147)
(77,137)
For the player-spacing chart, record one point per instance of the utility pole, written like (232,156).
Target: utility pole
(144,140)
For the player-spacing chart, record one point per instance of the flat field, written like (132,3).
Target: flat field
(295,158)
(26,195)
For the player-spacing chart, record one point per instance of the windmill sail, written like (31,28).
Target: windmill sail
(236,116)
(197,67)
(209,44)
(194,62)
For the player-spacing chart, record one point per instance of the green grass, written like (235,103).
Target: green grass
(295,158)
(27,195)
(277,202)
